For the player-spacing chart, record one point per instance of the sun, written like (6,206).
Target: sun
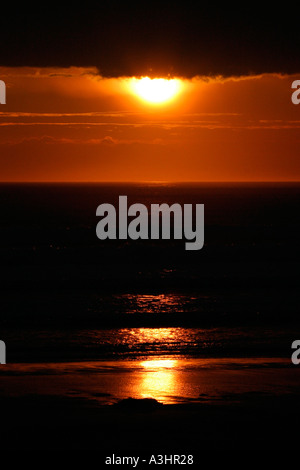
(155,90)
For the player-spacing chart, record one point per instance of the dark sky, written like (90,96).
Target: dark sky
(185,39)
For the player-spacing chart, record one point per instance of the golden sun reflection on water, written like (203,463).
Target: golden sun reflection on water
(158,379)
(160,303)
(159,363)
(153,335)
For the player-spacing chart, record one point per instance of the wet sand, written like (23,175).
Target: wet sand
(167,379)
(224,404)
(255,422)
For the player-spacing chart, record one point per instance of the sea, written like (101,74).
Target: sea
(112,319)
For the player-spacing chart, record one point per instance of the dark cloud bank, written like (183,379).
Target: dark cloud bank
(184,39)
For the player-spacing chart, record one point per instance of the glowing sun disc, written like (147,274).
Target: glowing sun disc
(156,90)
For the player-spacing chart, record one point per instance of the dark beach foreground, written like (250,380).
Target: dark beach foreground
(141,428)
(157,406)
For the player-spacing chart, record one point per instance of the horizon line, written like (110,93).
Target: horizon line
(155,182)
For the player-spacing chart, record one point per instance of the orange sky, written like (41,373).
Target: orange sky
(72,125)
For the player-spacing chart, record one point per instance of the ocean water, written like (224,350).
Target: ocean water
(146,317)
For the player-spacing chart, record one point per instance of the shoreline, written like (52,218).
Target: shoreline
(166,379)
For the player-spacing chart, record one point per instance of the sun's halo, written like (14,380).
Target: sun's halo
(155,90)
